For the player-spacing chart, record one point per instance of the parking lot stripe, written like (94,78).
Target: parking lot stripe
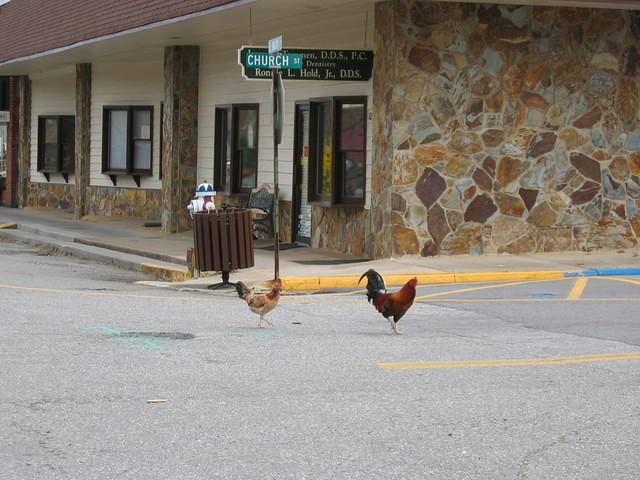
(625,280)
(473,289)
(127,295)
(578,288)
(602,357)
(487,300)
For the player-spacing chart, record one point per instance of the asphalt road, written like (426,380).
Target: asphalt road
(103,378)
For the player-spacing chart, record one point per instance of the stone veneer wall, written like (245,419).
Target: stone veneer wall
(124,202)
(51,195)
(514,129)
(340,229)
(101,201)
(381,233)
(82,170)
(24,141)
(286,207)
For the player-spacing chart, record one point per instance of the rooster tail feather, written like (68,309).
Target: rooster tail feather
(242,290)
(375,284)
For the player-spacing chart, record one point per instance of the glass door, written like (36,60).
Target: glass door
(301,208)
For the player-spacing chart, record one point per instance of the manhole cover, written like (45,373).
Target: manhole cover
(163,335)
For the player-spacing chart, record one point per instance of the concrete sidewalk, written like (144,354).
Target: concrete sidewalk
(128,243)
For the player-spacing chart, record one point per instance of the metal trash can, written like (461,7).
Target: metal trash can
(223,242)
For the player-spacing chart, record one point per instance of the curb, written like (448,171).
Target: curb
(605,272)
(346,281)
(163,272)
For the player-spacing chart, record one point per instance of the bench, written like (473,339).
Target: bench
(261,205)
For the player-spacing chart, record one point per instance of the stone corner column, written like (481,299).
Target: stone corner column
(380,243)
(24,142)
(82,138)
(180,135)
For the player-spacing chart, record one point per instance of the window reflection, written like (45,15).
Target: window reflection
(247,147)
(236,148)
(353,174)
(352,126)
(324,152)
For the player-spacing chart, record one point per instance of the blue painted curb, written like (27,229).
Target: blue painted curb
(604,272)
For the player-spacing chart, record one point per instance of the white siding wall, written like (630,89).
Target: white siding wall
(139,83)
(53,95)
(221,82)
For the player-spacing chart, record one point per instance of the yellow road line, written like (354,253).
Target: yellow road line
(480,300)
(578,288)
(473,289)
(625,280)
(284,299)
(603,357)
(337,294)
(107,294)
(575,295)
(430,285)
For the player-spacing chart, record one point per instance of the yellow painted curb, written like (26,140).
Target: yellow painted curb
(170,274)
(8,225)
(343,281)
(500,276)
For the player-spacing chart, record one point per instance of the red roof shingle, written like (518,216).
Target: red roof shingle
(28,27)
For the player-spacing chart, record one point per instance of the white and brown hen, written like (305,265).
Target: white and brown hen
(260,304)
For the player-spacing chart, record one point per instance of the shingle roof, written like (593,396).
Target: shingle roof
(28,27)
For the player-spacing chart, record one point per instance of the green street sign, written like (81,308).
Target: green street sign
(267,60)
(307,64)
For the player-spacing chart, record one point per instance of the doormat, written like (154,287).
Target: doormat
(284,246)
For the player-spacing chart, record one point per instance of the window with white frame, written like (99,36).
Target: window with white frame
(127,141)
(56,145)
(236,148)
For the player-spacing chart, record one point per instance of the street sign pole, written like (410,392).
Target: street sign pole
(277,97)
(277,92)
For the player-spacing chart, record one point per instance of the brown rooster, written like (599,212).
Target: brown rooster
(392,306)
(260,303)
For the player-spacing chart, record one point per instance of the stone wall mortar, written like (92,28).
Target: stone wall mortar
(515,129)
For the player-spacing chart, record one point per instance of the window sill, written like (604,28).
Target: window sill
(47,174)
(113,175)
